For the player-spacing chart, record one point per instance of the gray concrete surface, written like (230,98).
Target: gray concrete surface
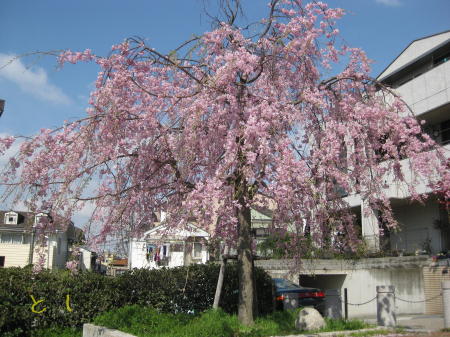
(91,330)
(334,333)
(416,322)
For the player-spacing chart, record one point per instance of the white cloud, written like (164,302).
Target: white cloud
(86,212)
(34,82)
(391,3)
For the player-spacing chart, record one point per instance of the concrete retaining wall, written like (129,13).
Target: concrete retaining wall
(91,330)
(360,277)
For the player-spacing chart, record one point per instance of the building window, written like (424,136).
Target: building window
(165,250)
(40,218)
(445,132)
(26,238)
(441,59)
(197,250)
(261,232)
(11,218)
(2,261)
(12,238)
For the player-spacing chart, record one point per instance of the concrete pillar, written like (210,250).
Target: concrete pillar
(386,306)
(333,304)
(370,227)
(446,302)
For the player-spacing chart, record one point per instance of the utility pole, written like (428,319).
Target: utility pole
(2,106)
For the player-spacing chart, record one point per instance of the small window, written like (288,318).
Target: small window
(445,132)
(2,261)
(12,238)
(39,218)
(26,238)
(11,218)
(441,59)
(165,251)
(197,250)
(261,232)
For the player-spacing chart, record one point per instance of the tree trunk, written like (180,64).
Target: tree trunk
(245,268)
(223,263)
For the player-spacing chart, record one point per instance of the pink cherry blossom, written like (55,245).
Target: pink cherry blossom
(242,122)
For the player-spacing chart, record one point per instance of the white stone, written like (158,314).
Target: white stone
(309,319)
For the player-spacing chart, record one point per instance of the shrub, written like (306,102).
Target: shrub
(89,294)
(190,289)
(58,332)
(179,290)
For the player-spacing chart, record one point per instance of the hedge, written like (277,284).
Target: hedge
(184,289)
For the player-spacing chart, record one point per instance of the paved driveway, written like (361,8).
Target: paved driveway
(417,322)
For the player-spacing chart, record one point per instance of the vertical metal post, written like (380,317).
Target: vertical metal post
(446,302)
(346,303)
(333,303)
(386,306)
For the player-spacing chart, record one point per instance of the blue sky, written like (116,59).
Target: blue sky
(38,95)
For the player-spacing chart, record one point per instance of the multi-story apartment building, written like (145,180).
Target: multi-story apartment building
(421,76)
(19,246)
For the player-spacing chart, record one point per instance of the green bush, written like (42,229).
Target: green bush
(190,289)
(89,294)
(58,332)
(178,290)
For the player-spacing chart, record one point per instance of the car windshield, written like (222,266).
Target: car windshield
(282,283)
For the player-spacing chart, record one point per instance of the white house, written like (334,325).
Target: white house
(18,246)
(87,259)
(168,247)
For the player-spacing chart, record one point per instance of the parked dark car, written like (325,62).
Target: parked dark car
(289,295)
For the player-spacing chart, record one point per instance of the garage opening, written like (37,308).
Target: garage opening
(332,286)
(324,282)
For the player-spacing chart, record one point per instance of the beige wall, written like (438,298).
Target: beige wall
(433,277)
(16,255)
(50,253)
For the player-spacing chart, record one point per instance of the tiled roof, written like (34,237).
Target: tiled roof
(119,262)
(25,222)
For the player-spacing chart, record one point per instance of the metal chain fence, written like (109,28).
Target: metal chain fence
(359,304)
(396,297)
(422,301)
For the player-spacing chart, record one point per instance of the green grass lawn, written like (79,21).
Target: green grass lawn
(147,322)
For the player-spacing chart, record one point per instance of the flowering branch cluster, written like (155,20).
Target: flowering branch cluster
(237,117)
